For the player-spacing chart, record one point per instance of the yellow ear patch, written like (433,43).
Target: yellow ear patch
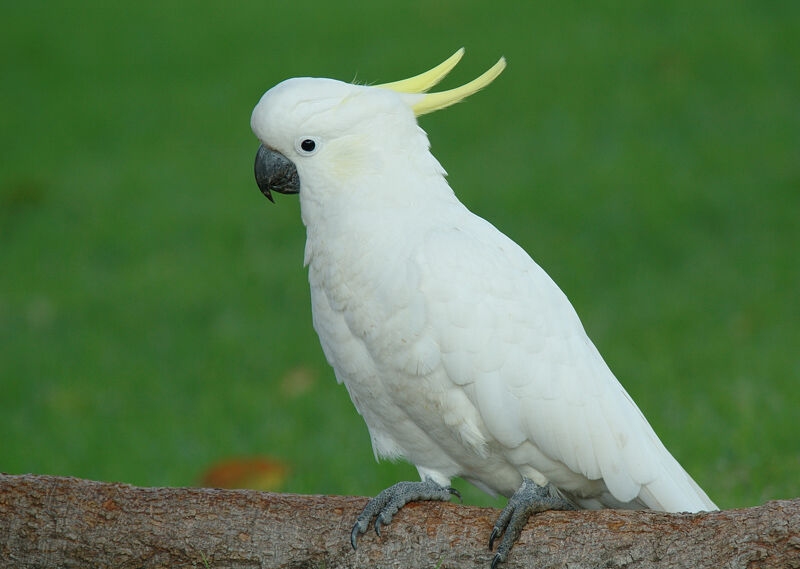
(434,101)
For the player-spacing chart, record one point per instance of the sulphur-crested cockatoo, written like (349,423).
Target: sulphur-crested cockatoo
(458,350)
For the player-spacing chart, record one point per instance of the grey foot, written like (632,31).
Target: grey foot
(529,499)
(387,503)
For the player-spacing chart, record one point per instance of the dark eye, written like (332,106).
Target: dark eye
(306,145)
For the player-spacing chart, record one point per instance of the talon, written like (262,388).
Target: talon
(378,526)
(354,537)
(495,534)
(455,493)
(497,559)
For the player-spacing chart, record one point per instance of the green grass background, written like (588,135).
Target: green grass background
(154,311)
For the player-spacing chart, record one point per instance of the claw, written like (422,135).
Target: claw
(455,493)
(378,526)
(495,535)
(354,537)
(497,559)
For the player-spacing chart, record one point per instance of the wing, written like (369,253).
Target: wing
(513,341)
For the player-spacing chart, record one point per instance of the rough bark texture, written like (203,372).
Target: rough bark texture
(48,521)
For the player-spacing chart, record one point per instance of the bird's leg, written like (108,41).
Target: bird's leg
(386,504)
(529,499)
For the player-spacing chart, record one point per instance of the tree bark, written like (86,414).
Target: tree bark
(48,521)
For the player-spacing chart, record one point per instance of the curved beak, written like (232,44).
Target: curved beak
(275,173)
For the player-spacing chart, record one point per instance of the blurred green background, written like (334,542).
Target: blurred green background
(154,311)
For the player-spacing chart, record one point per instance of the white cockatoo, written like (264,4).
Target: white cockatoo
(461,354)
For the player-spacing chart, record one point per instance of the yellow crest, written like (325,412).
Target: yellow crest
(435,101)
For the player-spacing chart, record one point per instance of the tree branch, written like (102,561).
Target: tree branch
(48,521)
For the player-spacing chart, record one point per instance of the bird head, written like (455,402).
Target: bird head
(319,135)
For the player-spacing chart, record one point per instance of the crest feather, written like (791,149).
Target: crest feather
(430,102)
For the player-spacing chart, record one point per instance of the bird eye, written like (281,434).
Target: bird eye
(307,145)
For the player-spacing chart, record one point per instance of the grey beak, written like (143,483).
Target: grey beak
(275,173)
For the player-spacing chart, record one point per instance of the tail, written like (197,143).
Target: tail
(674,490)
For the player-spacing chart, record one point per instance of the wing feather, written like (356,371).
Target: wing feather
(540,386)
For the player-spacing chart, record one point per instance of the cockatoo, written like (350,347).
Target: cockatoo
(460,353)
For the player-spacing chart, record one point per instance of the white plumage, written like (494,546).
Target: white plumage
(458,350)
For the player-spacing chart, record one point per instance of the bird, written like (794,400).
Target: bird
(461,354)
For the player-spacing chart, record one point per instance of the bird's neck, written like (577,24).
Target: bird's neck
(391,212)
